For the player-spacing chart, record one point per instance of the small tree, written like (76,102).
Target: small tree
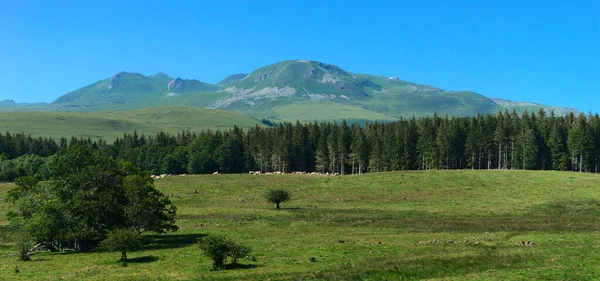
(218,248)
(277,196)
(123,240)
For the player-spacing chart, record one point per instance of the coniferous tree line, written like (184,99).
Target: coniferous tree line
(505,140)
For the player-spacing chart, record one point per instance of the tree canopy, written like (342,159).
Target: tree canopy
(506,140)
(89,195)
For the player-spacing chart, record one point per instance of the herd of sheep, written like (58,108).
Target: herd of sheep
(260,173)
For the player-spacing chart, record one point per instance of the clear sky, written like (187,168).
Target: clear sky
(542,51)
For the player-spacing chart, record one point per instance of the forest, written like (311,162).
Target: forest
(506,140)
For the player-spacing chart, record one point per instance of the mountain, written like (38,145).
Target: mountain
(130,91)
(286,91)
(290,90)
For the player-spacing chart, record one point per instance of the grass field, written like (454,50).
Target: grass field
(112,124)
(435,225)
(326,111)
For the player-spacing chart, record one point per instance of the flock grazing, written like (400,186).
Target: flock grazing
(258,173)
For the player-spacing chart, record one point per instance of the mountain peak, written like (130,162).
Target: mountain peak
(227,81)
(161,75)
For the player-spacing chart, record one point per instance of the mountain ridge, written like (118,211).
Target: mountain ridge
(276,91)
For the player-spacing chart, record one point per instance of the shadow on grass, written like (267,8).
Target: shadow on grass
(73,252)
(239,266)
(144,259)
(169,241)
(570,216)
(382,268)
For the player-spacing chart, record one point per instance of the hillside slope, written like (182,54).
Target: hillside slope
(521,107)
(113,124)
(130,91)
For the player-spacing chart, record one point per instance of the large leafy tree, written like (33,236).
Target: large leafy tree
(90,195)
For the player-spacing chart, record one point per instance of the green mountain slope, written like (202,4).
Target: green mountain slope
(275,90)
(521,107)
(130,91)
(285,91)
(109,125)
(229,80)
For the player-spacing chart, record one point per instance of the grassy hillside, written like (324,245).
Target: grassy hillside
(434,225)
(112,124)
(311,112)
(521,107)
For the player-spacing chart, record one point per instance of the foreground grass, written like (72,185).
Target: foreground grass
(393,226)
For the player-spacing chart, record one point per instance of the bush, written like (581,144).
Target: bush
(238,251)
(277,196)
(218,248)
(24,246)
(122,240)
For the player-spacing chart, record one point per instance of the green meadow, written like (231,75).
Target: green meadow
(434,225)
(110,125)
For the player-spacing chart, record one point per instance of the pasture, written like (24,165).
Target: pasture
(110,125)
(435,225)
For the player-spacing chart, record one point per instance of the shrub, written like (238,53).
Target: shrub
(218,248)
(238,251)
(24,246)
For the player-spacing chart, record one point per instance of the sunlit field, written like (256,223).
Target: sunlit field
(436,225)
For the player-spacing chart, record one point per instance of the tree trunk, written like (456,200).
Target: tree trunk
(342,164)
(499,155)
(580,159)
(277,205)
(123,256)
(512,155)
(359,167)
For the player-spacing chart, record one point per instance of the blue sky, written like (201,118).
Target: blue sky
(541,51)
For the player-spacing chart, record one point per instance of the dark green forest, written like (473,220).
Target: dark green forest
(533,141)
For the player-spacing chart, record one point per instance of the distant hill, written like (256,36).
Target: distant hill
(521,107)
(130,91)
(112,124)
(285,91)
(11,105)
